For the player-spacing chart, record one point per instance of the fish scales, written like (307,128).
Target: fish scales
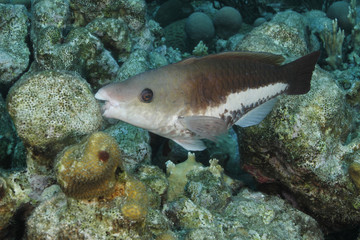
(210,86)
(200,98)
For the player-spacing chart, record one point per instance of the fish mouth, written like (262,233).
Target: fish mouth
(107,108)
(105,103)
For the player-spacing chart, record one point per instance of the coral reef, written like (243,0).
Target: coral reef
(280,36)
(175,35)
(59,217)
(354,172)
(135,64)
(177,176)
(46,14)
(14,190)
(199,26)
(14,52)
(339,10)
(200,49)
(154,178)
(248,215)
(136,206)
(208,187)
(133,11)
(227,22)
(114,34)
(171,11)
(333,42)
(83,184)
(89,169)
(308,156)
(12,151)
(133,144)
(50,110)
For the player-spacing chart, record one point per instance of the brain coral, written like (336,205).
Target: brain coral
(199,26)
(50,107)
(227,22)
(88,169)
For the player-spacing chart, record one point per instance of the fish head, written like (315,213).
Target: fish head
(146,100)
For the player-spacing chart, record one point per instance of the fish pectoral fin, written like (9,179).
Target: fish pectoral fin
(205,126)
(191,144)
(256,115)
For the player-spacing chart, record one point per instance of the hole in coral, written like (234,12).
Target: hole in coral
(103,156)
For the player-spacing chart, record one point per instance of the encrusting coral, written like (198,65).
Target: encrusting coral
(88,169)
(354,172)
(136,206)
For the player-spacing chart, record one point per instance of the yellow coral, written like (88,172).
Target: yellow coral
(133,210)
(354,172)
(177,175)
(137,200)
(88,169)
(166,236)
(135,190)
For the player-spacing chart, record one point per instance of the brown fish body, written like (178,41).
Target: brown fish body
(202,97)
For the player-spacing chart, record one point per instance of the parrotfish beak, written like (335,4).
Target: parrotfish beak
(107,106)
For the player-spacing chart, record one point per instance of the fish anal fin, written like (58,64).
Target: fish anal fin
(205,126)
(191,144)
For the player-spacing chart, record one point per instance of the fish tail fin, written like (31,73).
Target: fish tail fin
(300,73)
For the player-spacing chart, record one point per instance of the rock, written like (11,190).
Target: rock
(133,11)
(300,144)
(12,151)
(14,189)
(46,13)
(261,215)
(198,27)
(249,215)
(123,216)
(114,34)
(340,11)
(50,110)
(280,36)
(134,145)
(171,11)
(14,52)
(135,64)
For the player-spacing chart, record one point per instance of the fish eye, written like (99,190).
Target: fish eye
(146,95)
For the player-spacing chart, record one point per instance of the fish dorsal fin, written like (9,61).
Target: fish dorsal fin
(205,126)
(256,115)
(191,144)
(263,57)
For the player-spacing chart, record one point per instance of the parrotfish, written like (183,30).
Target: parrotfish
(201,98)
